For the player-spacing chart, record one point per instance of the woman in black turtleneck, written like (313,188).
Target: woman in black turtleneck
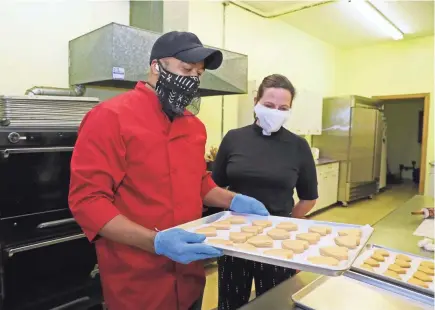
(267,162)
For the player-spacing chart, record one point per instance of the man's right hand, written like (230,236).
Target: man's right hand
(183,247)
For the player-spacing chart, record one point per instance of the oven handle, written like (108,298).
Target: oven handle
(72,303)
(55,223)
(25,248)
(7,152)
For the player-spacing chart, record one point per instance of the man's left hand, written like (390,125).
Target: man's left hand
(246,204)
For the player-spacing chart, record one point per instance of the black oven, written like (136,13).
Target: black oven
(46,262)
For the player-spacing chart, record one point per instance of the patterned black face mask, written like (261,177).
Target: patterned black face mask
(176,92)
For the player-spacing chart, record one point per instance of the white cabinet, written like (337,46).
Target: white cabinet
(327,178)
(306,117)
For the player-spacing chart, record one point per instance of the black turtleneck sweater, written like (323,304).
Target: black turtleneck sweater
(267,168)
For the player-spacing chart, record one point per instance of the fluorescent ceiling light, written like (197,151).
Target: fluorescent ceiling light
(373,15)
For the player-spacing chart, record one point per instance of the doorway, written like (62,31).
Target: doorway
(407,118)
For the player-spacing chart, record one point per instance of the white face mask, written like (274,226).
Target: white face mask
(271,120)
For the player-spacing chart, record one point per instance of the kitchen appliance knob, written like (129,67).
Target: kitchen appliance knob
(14,137)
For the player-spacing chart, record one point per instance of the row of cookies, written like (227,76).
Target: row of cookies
(249,240)
(401,266)
(282,231)
(347,239)
(329,255)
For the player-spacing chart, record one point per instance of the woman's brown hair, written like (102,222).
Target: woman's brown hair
(275,81)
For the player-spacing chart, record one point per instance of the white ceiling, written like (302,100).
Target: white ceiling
(340,24)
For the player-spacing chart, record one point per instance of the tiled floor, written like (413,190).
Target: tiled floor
(361,212)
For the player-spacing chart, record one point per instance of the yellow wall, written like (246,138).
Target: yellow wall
(402,134)
(35,35)
(272,47)
(397,67)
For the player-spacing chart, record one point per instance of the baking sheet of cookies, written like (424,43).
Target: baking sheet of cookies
(299,261)
(378,271)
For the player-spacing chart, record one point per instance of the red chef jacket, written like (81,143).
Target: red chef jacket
(130,159)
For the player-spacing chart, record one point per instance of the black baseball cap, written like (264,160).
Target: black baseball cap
(185,46)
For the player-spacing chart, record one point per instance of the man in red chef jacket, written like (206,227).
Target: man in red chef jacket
(138,169)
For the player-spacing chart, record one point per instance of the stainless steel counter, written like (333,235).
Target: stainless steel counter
(394,231)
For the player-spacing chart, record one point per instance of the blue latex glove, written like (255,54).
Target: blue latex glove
(183,247)
(246,204)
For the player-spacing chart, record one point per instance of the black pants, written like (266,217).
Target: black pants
(235,280)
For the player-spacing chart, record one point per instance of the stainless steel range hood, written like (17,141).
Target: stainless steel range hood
(117,56)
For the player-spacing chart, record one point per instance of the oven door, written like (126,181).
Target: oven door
(50,273)
(34,180)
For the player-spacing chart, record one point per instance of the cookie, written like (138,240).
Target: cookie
(340,253)
(368,267)
(261,241)
(222,225)
(403,257)
(402,263)
(245,247)
(426,270)
(396,269)
(219,242)
(312,238)
(350,232)
(428,264)
(417,282)
(207,231)
(251,229)
(281,253)
(350,242)
(378,257)
(237,220)
(321,230)
(422,276)
(371,262)
(297,246)
(278,234)
(392,274)
(323,260)
(382,252)
(289,226)
(262,223)
(238,237)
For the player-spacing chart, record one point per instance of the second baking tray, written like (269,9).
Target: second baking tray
(299,261)
(354,291)
(416,260)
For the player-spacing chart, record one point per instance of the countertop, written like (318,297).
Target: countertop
(394,231)
(324,161)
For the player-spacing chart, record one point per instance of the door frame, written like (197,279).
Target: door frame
(425,131)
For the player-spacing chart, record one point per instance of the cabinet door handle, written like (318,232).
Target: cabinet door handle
(7,152)
(55,223)
(25,248)
(74,302)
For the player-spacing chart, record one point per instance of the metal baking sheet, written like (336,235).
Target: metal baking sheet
(359,292)
(416,260)
(299,261)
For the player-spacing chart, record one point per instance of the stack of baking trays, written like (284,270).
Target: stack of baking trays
(352,271)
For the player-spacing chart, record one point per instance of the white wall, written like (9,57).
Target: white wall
(393,68)
(402,134)
(272,47)
(34,38)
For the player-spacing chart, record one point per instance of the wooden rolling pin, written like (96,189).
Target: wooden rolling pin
(426,212)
